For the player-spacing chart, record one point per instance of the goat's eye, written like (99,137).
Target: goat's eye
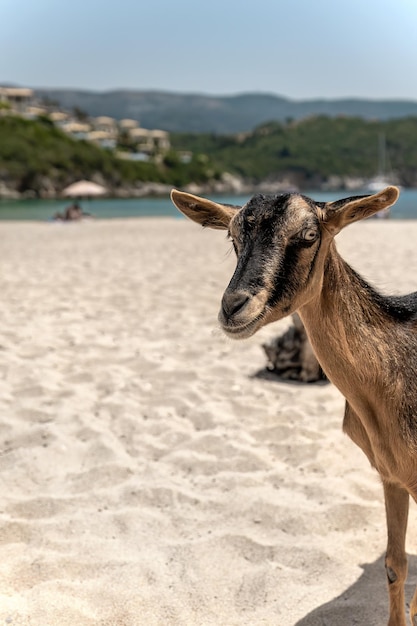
(309,234)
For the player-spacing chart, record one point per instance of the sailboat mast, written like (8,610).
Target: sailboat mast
(382,155)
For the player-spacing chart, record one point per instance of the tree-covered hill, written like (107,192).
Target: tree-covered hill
(37,156)
(312,150)
(200,113)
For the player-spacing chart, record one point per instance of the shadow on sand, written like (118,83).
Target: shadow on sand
(365,603)
(267,374)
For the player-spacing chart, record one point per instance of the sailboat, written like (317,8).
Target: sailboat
(384,177)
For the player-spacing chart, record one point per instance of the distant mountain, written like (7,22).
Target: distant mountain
(177,112)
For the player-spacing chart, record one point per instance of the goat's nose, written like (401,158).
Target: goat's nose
(233,302)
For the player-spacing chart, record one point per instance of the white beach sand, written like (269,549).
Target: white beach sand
(148,475)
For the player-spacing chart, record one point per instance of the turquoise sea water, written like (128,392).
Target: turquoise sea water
(108,208)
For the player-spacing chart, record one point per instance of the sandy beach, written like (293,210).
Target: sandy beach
(151,473)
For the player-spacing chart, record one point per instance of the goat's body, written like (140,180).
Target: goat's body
(366,343)
(362,340)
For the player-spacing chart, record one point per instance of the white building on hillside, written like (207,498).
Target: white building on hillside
(17,98)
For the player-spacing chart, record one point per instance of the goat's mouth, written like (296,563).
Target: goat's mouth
(243,331)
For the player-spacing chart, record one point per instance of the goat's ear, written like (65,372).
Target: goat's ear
(203,211)
(339,214)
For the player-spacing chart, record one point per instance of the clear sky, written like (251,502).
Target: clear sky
(296,48)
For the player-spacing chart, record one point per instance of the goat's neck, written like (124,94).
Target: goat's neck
(345,324)
(369,356)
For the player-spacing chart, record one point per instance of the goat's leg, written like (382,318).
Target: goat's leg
(396,506)
(413,607)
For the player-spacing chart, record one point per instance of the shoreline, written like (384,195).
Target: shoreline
(233,186)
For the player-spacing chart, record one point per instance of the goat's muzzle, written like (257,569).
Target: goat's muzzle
(241,313)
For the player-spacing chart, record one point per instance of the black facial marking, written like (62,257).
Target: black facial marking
(264,244)
(283,284)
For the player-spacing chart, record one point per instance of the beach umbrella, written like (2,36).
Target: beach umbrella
(84,189)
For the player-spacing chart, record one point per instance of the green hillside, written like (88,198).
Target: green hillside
(313,149)
(35,155)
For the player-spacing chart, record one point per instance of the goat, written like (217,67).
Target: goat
(365,342)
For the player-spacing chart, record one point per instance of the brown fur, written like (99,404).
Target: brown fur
(366,343)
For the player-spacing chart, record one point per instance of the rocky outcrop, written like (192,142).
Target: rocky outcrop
(291,356)
(7,191)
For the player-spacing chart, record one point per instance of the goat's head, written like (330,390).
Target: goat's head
(281,243)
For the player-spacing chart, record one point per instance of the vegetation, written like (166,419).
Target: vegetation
(313,149)
(198,113)
(33,151)
(309,152)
